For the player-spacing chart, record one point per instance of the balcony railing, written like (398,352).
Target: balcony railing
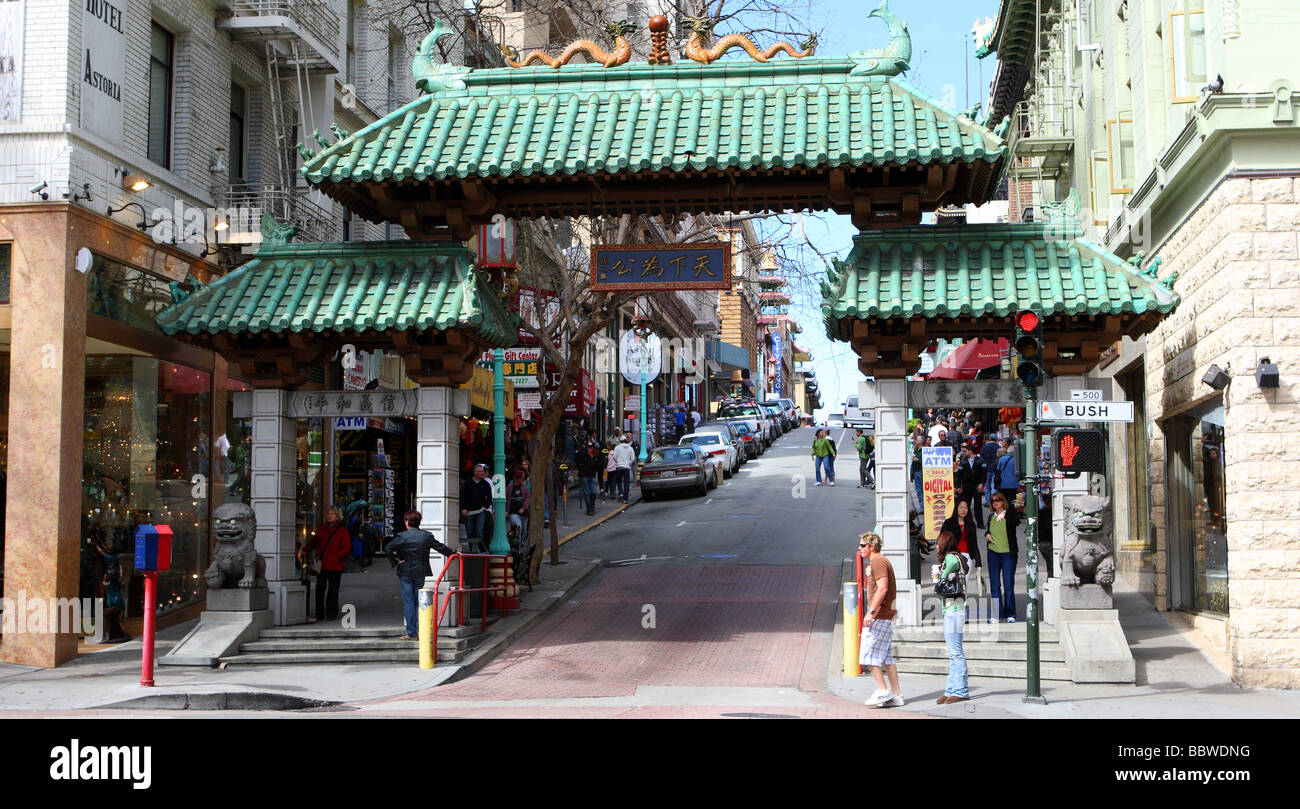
(247,202)
(266,19)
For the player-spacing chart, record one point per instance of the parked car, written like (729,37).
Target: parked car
(749,439)
(751,414)
(732,434)
(778,418)
(715,445)
(783,415)
(680,468)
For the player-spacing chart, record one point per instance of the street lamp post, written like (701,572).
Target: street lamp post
(499,542)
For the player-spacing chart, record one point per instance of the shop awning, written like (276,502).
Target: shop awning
(900,290)
(292,303)
(969,358)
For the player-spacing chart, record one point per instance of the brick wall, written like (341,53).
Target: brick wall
(1240,281)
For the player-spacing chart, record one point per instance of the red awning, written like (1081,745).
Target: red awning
(970,358)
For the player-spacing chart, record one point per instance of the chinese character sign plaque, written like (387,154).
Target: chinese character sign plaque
(660,267)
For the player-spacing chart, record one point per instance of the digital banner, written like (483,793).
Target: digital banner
(937,488)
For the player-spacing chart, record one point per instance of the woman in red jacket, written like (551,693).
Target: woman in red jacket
(962,525)
(332,544)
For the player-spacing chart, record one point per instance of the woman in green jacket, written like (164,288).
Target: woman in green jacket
(954,619)
(823,453)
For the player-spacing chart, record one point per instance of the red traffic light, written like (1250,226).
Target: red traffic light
(1027,320)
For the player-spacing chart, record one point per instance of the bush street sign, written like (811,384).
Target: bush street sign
(1085,411)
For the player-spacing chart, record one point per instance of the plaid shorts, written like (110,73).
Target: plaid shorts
(877,644)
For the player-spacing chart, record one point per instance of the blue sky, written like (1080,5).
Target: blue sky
(944,66)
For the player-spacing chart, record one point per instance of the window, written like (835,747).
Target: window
(1099,196)
(161,46)
(1186,48)
(1119,135)
(127,295)
(6,252)
(237,112)
(352,42)
(394,70)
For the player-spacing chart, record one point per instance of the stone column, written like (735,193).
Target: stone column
(437,474)
(273,496)
(889,399)
(46,423)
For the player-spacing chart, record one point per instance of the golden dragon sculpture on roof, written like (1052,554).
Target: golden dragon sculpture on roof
(702,26)
(617,31)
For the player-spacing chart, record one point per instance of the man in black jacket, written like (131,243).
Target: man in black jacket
(476,504)
(970,480)
(409,553)
(589,462)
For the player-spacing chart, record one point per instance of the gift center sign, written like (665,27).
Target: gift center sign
(660,267)
(936,488)
(103,67)
(519,365)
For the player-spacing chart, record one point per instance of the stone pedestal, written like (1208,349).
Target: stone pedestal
(1086,597)
(219,634)
(888,397)
(239,599)
(437,485)
(1095,647)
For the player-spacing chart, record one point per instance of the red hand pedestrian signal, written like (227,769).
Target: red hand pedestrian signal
(1068,450)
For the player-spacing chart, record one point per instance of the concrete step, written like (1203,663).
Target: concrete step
(985,668)
(1005,633)
(1047,652)
(352,644)
(329,632)
(409,655)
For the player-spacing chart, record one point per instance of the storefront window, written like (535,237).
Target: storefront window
(126,294)
(6,252)
(147,428)
(311,477)
(235,445)
(1198,526)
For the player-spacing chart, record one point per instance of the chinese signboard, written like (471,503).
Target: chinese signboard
(937,488)
(660,267)
(519,366)
(103,68)
(968,394)
(340,403)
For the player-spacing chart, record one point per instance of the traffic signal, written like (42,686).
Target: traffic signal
(1029,348)
(1079,451)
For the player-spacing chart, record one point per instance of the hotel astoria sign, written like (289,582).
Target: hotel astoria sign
(103,67)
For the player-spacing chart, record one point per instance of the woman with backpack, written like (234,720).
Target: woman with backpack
(823,453)
(950,584)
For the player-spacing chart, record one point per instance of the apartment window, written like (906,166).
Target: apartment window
(161,50)
(238,107)
(394,49)
(516,5)
(1119,136)
(1099,197)
(1186,48)
(352,42)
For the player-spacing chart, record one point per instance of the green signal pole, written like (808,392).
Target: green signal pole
(1033,692)
(499,542)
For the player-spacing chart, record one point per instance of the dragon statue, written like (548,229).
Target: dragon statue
(702,26)
(432,75)
(1090,557)
(891,60)
(617,31)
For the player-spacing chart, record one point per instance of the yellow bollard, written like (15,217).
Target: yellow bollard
(852,636)
(426,628)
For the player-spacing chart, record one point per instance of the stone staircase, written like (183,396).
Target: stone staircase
(992,650)
(282,645)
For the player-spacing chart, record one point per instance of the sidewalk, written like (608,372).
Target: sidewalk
(110,677)
(1175,679)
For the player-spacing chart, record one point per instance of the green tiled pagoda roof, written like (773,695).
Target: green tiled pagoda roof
(1012,35)
(348,286)
(986,270)
(539,121)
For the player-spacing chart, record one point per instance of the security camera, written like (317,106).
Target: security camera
(40,189)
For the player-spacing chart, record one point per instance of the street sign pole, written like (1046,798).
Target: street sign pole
(1033,692)
(499,542)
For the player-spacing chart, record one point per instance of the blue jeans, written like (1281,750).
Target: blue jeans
(411,605)
(988,487)
(1002,582)
(623,477)
(916,481)
(474,525)
(954,623)
(589,491)
(827,461)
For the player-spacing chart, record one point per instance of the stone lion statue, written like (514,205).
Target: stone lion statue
(1088,556)
(235,561)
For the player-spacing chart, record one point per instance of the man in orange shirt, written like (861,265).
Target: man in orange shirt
(878,624)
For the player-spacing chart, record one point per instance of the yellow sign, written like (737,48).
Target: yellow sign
(936,488)
(480,391)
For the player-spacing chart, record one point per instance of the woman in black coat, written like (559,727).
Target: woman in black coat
(962,525)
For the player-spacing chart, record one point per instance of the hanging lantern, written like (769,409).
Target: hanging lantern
(496,243)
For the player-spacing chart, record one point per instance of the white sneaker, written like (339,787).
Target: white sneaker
(818,483)
(895,702)
(878,698)
(832,483)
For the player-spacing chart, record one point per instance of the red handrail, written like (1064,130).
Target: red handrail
(461,589)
